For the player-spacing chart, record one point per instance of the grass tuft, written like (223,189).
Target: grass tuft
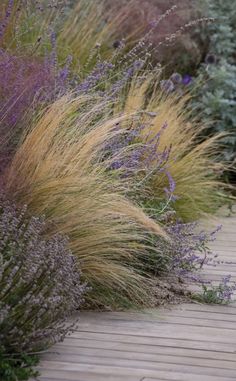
(192,161)
(60,172)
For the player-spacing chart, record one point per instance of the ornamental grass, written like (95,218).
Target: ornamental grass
(192,161)
(60,171)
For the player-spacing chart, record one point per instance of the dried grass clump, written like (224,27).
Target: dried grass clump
(60,171)
(192,160)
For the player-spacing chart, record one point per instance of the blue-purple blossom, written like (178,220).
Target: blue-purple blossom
(99,73)
(187,79)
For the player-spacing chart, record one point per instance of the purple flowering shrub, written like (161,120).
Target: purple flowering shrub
(26,83)
(40,286)
(185,255)
(217,294)
(190,248)
(22,79)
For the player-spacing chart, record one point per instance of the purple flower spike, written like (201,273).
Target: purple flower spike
(187,79)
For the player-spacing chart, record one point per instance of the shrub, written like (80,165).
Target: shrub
(217,294)
(215,103)
(40,285)
(30,75)
(17,367)
(23,80)
(81,166)
(215,90)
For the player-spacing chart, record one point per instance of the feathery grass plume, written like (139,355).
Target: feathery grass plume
(61,172)
(191,161)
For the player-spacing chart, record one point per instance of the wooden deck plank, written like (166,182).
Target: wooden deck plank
(52,375)
(168,319)
(75,355)
(141,349)
(185,377)
(223,335)
(188,342)
(88,376)
(152,341)
(133,368)
(163,314)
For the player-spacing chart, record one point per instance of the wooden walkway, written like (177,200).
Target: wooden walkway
(189,342)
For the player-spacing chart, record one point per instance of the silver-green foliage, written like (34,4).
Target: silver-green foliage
(216,95)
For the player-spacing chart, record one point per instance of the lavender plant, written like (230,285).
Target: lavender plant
(221,293)
(22,80)
(25,24)
(40,285)
(28,84)
(190,247)
(187,253)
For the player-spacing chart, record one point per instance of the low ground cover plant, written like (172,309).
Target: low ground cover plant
(18,366)
(216,294)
